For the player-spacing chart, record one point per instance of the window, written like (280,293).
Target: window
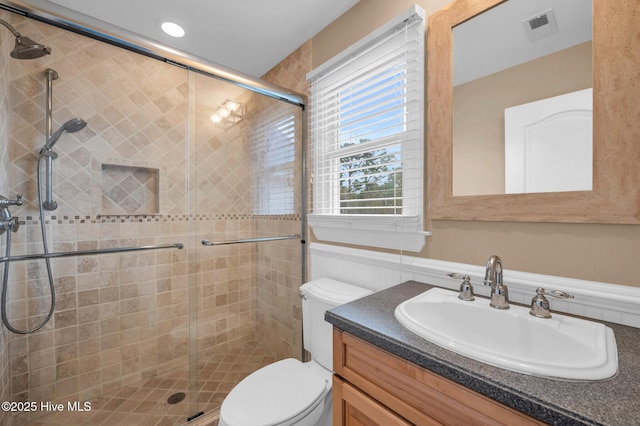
(275,157)
(366,126)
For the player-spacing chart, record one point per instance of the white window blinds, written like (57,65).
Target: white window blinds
(366,129)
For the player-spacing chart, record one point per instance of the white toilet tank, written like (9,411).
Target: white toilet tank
(317,297)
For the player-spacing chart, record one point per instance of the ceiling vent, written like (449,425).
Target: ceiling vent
(541,25)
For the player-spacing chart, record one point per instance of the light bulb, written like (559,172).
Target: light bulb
(173,29)
(231,105)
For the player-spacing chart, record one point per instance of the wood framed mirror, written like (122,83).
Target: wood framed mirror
(615,193)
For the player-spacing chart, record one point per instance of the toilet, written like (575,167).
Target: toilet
(290,392)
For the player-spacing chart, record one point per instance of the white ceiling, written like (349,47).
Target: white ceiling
(250,36)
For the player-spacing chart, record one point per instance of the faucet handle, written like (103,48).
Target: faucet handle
(5,202)
(556,293)
(540,304)
(466,289)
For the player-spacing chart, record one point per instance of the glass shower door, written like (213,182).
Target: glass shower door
(247,182)
(119,336)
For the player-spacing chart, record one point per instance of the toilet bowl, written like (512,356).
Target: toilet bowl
(284,393)
(291,392)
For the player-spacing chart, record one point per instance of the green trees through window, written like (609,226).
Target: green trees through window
(371,182)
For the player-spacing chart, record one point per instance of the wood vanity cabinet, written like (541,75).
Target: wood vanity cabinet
(374,387)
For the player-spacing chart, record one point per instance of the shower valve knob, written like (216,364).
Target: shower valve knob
(5,202)
(9,225)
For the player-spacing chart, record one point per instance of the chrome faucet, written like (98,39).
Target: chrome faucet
(540,304)
(8,222)
(466,289)
(493,277)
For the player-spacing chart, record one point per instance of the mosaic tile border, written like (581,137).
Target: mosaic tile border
(71,220)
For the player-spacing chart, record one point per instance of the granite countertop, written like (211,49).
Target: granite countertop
(615,401)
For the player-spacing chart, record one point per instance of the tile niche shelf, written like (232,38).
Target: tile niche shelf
(130,190)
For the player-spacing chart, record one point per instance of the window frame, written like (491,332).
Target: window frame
(394,231)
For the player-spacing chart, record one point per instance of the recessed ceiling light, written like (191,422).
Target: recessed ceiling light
(173,29)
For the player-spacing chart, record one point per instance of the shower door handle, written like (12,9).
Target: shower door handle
(250,240)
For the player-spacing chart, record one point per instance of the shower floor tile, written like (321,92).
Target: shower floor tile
(146,402)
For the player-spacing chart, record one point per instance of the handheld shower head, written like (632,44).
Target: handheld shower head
(71,126)
(74,125)
(25,48)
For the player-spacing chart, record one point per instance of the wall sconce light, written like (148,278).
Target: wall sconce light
(228,114)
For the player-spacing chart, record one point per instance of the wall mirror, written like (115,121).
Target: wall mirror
(471,103)
(522,107)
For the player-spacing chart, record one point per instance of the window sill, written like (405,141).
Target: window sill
(396,233)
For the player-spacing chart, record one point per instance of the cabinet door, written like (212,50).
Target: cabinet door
(418,395)
(351,407)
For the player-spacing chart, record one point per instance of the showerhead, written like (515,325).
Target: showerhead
(25,48)
(74,125)
(71,126)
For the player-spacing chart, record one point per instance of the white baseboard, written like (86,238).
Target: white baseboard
(377,271)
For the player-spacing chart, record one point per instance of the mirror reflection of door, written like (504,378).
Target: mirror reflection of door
(518,52)
(549,144)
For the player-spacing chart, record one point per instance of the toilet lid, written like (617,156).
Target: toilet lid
(273,394)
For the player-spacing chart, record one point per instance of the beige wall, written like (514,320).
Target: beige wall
(606,253)
(363,18)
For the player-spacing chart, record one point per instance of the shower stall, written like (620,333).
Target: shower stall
(165,233)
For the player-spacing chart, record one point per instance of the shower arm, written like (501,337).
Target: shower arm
(10,28)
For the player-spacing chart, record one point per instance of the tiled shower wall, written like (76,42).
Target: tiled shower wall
(5,43)
(120,318)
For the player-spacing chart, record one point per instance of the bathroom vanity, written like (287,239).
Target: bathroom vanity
(394,390)
(386,375)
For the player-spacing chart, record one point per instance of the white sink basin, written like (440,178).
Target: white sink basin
(561,347)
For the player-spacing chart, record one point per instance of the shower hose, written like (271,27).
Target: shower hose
(5,275)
